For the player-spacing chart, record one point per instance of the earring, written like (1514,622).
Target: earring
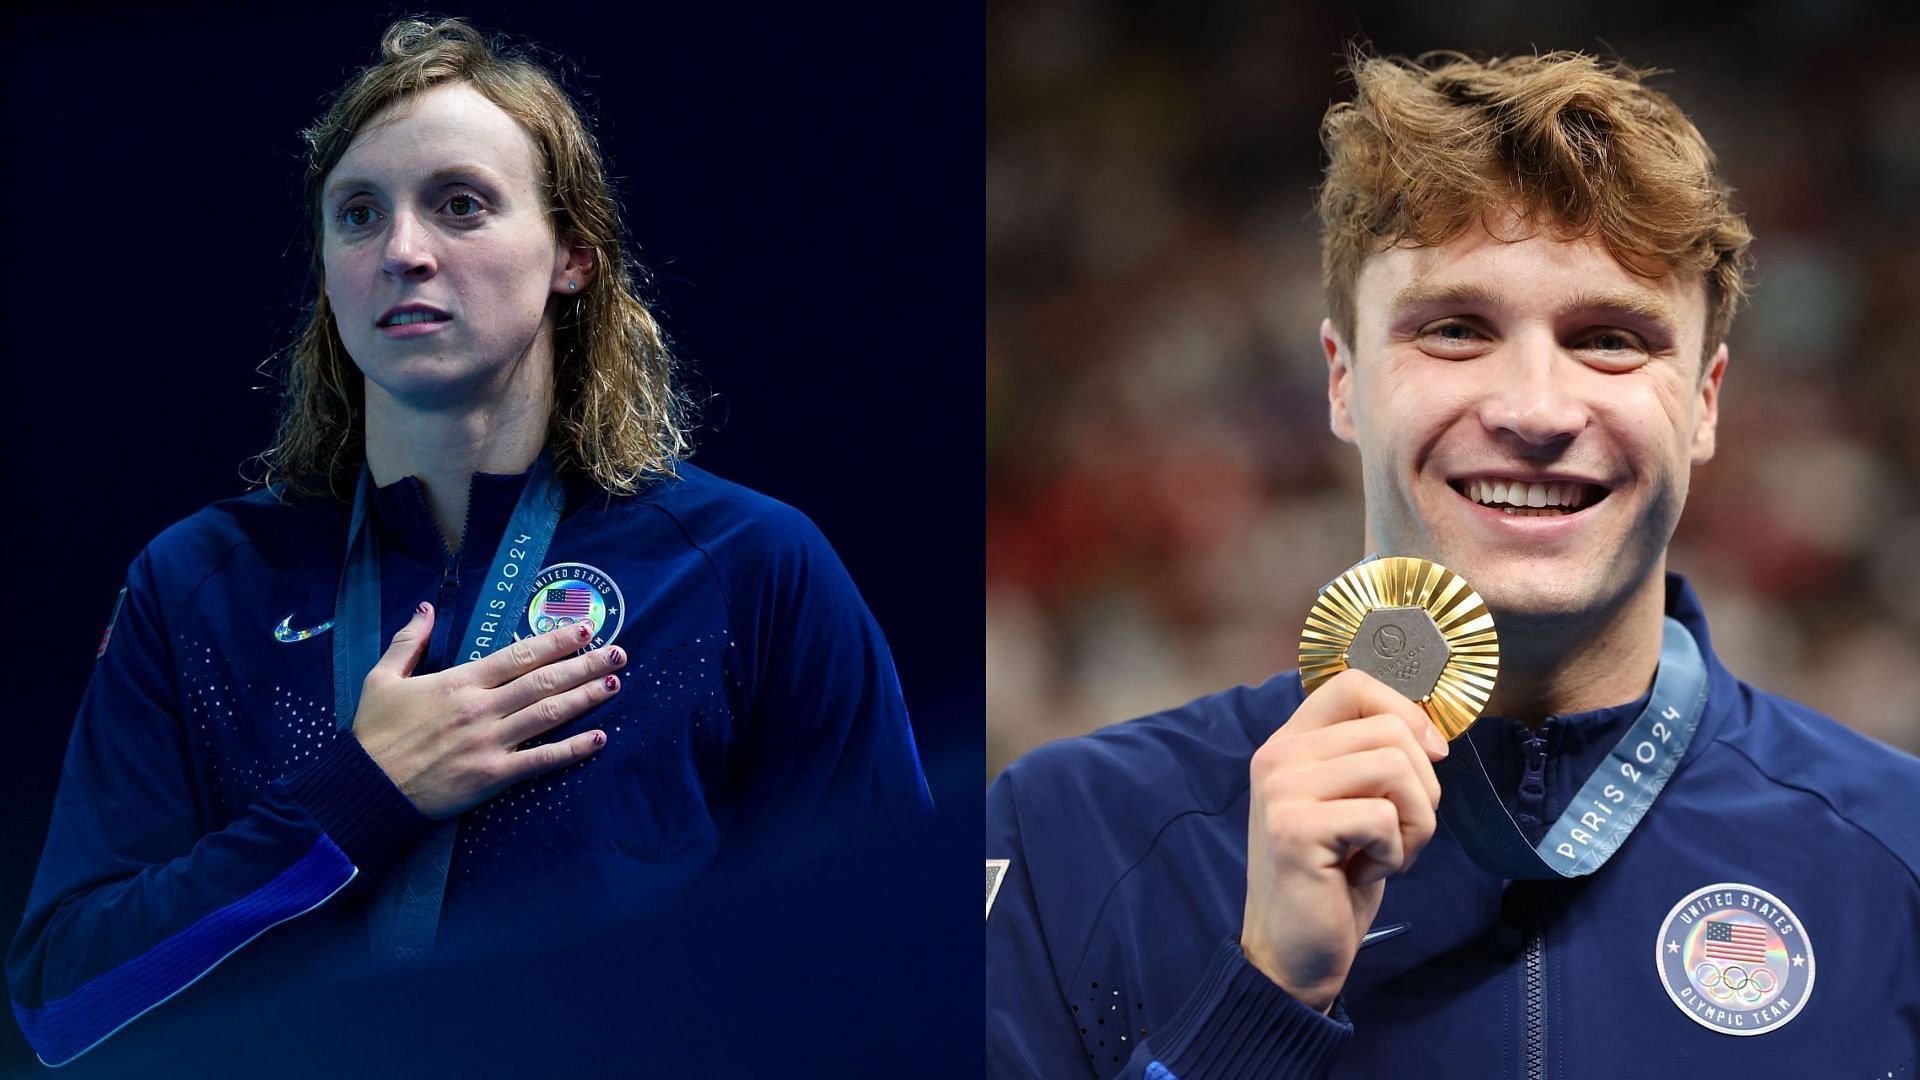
(572,285)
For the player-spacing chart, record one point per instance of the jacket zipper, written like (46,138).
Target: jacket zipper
(446,600)
(1531,805)
(444,603)
(1533,1038)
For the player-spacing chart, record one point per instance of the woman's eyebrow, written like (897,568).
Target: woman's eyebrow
(435,178)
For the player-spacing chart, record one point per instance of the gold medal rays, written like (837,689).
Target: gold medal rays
(1416,615)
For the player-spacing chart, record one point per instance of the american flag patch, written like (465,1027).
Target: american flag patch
(1737,942)
(1735,958)
(573,601)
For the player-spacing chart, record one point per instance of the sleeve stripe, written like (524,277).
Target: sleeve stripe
(63,1029)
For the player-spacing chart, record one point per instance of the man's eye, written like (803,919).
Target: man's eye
(1451,336)
(1615,341)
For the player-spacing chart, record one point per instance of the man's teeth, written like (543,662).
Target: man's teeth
(1515,493)
(406,317)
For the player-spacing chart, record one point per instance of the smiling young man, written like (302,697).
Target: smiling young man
(1629,866)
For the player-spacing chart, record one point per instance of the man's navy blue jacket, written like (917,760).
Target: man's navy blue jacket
(208,795)
(1112,946)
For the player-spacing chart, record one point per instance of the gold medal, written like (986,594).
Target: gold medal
(1414,625)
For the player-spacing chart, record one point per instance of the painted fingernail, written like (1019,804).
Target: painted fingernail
(599,738)
(612,684)
(583,632)
(616,657)
(422,609)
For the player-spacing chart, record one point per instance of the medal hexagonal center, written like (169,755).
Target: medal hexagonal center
(1401,647)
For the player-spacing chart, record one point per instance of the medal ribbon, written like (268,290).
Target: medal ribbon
(405,914)
(1612,801)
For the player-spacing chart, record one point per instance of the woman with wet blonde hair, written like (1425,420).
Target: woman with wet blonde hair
(486,641)
(617,414)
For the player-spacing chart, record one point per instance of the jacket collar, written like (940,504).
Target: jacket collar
(1585,737)
(404,518)
(1723,690)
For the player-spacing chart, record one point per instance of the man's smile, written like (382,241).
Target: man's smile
(1537,497)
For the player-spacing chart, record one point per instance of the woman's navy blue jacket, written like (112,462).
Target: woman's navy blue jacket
(208,795)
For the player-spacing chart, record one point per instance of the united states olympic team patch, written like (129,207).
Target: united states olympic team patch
(570,592)
(1735,959)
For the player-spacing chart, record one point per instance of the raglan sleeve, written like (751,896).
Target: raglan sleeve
(831,738)
(1235,1024)
(137,894)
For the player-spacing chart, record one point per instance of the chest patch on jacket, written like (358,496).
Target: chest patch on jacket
(570,592)
(1735,959)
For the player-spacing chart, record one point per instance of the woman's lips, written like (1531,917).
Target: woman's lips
(416,329)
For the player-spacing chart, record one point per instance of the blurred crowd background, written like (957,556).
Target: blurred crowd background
(1163,496)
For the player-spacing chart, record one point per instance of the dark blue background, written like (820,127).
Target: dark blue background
(805,185)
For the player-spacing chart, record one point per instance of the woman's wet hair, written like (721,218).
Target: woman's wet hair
(618,413)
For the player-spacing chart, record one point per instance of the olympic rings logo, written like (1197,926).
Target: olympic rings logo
(1734,981)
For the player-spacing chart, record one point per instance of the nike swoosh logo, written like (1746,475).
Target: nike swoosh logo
(1384,933)
(287,634)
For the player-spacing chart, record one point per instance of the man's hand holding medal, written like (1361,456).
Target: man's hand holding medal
(1345,795)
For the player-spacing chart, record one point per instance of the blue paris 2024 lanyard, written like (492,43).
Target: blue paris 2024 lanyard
(1612,801)
(405,914)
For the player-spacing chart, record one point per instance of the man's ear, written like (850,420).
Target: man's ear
(1339,382)
(1708,416)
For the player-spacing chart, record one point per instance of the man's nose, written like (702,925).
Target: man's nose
(409,250)
(1534,397)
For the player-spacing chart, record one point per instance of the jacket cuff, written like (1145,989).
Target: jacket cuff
(357,806)
(1238,1023)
